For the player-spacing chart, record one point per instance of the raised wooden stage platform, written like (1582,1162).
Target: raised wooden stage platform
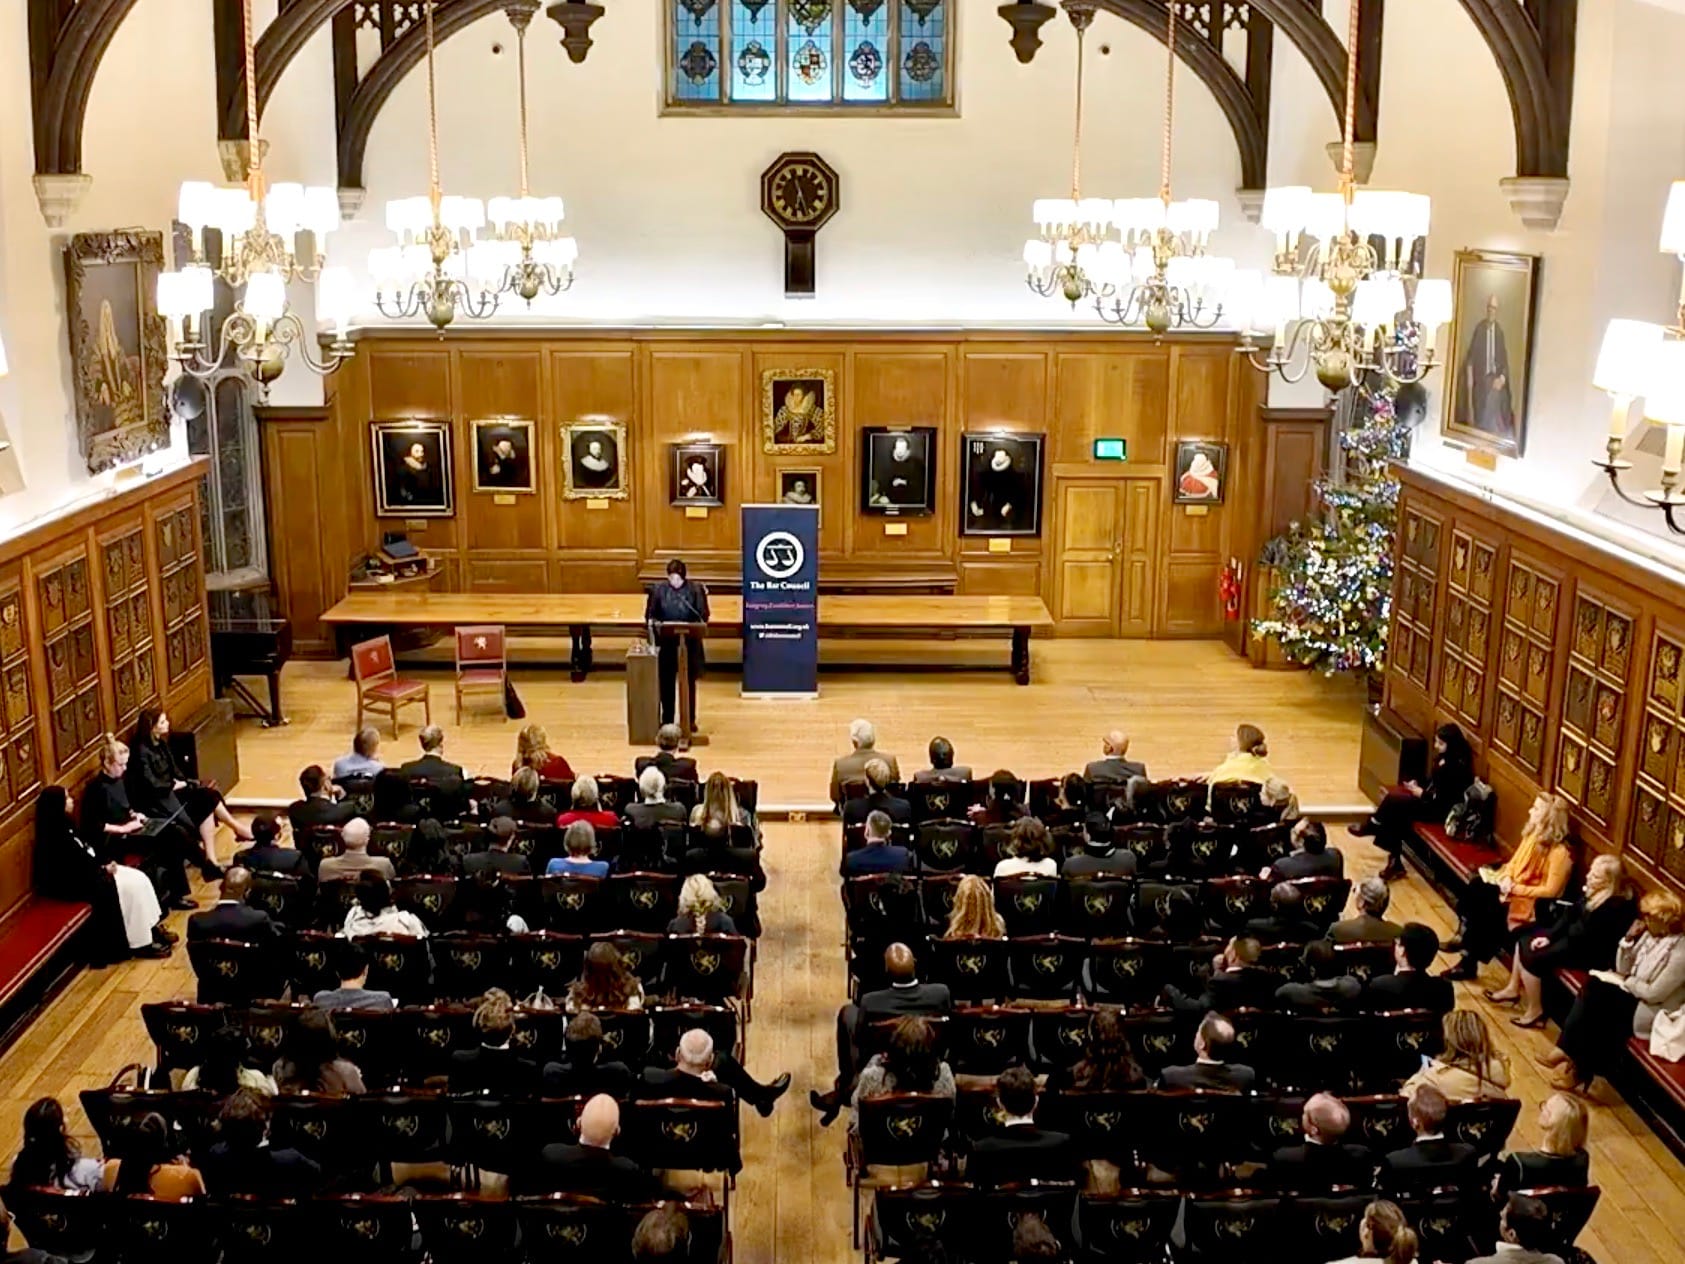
(905,615)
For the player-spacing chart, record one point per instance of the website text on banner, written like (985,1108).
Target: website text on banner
(781,600)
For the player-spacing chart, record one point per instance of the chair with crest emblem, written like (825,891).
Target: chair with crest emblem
(628,1036)
(1257,1038)
(1101,1123)
(466,964)
(895,1130)
(642,951)
(572,903)
(1365,962)
(319,1127)
(943,800)
(673,1132)
(1030,903)
(1098,907)
(146,1230)
(643,901)
(1324,1227)
(466,1229)
(1262,845)
(737,893)
(1236,802)
(399,964)
(1128,972)
(990,1236)
(1485,1125)
(368,1228)
(945,846)
(182,1031)
(1158,1040)
(1045,967)
(936,898)
(539,1032)
(1058,1038)
(994,844)
(708,968)
(905,1220)
(1158,903)
(1190,964)
(267,1026)
(428,896)
(281,895)
(1197,1135)
(1131,1226)
(1228,902)
(986,1039)
(377,1040)
(615,792)
(1324,898)
(380,688)
(230,972)
(115,1114)
(1398,1041)
(257,1230)
(669,1022)
(879,909)
(1200,849)
(973,968)
(1442,1219)
(333,902)
(392,840)
(572,1229)
(1570,1208)
(65,1223)
(1232,1225)
(317,842)
(507,1134)
(545,959)
(404,1128)
(434,1033)
(1045,803)
(482,667)
(1168,802)
(1150,843)
(1320,1052)
(1380,1123)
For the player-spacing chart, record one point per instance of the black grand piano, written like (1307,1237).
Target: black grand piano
(249,638)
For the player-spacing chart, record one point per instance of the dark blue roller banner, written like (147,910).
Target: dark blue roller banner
(781,601)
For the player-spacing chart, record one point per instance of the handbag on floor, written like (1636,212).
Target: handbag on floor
(512,706)
(1667,1035)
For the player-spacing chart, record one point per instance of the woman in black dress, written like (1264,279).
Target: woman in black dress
(109,824)
(157,788)
(1583,935)
(126,917)
(1561,1159)
(1450,774)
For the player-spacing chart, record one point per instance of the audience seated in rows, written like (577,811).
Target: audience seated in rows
(431,765)
(1326,990)
(1469,1068)
(153,1166)
(909,1063)
(532,750)
(266,855)
(1369,924)
(1002,801)
(863,737)
(311,1061)
(942,766)
(363,763)
(1524,1231)
(879,854)
(1029,851)
(1020,1150)
(586,806)
(653,809)
(1100,856)
(493,1066)
(662,1234)
(719,804)
(1410,986)
(877,798)
(374,913)
(231,917)
(1287,923)
(1432,1160)
(353,859)
(667,760)
(497,857)
(974,915)
(229,1065)
(582,1072)
(1324,1160)
(700,1073)
(1384,1234)
(323,803)
(701,910)
(1310,858)
(589,1166)
(905,996)
(1561,1161)
(241,1160)
(1113,764)
(580,841)
(604,982)
(1248,760)
(50,1157)
(1211,1068)
(1107,1065)
(352,965)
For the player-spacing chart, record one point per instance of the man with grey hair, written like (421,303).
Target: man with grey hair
(879,854)
(674,766)
(354,858)
(852,766)
(698,1072)
(1112,766)
(432,766)
(1367,925)
(1324,1160)
(364,759)
(652,809)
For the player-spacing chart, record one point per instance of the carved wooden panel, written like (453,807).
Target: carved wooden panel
(181,576)
(128,622)
(1467,642)
(1658,815)
(1416,600)
(67,627)
(1526,662)
(1594,703)
(20,762)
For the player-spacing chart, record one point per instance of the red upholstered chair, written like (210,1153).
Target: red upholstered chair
(380,688)
(480,664)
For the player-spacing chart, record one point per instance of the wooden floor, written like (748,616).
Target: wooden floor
(1181,700)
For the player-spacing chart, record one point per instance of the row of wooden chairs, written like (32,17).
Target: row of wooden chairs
(442,799)
(409,1044)
(1168,802)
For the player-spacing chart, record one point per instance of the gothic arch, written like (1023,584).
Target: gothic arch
(1323,51)
(1534,49)
(66,43)
(281,41)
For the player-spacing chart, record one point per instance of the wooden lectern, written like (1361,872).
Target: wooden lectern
(681,632)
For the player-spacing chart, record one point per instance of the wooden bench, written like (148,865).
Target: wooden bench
(36,957)
(1449,864)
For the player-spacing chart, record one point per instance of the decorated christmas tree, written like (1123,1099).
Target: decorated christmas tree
(1333,574)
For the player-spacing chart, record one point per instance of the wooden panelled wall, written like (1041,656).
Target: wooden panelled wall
(1562,661)
(102,611)
(1114,557)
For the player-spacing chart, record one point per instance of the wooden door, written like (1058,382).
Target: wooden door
(1089,555)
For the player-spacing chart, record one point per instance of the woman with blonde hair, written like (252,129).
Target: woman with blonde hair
(719,803)
(1469,1068)
(701,909)
(1384,1234)
(1248,761)
(974,915)
(1560,1160)
(1502,901)
(1649,976)
(112,827)
(1582,935)
(532,750)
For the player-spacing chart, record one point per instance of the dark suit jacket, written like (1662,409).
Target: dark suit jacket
(500,1070)
(1410,989)
(1314,1168)
(673,767)
(431,767)
(1020,1153)
(855,811)
(1364,929)
(879,858)
(597,1173)
(898,1002)
(1282,930)
(272,859)
(1114,769)
(564,1079)
(233,921)
(959,772)
(501,861)
(670,1082)
(1533,1169)
(1428,1163)
(650,815)
(1249,987)
(1301,864)
(1119,862)
(1223,1077)
(1326,996)
(270,1172)
(314,811)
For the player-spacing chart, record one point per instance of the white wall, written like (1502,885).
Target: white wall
(934,212)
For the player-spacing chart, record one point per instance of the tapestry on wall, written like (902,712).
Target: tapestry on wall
(117,344)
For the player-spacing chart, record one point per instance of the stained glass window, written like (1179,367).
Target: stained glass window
(761,55)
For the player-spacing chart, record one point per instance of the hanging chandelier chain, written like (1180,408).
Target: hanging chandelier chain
(1169,106)
(1076,140)
(1347,165)
(521,61)
(432,118)
(254,154)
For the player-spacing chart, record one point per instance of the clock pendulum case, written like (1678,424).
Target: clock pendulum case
(799,192)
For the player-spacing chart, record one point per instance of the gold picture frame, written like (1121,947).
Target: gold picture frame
(805,426)
(504,456)
(1489,364)
(580,480)
(118,347)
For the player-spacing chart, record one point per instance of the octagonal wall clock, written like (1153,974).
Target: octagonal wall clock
(799,192)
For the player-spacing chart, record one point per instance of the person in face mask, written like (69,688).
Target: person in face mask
(677,601)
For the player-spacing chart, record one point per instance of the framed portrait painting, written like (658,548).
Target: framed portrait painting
(798,487)
(898,470)
(1202,472)
(594,461)
(118,345)
(503,455)
(1489,364)
(798,411)
(412,469)
(698,475)
(1002,484)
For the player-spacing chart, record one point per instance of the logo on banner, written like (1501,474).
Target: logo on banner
(779,555)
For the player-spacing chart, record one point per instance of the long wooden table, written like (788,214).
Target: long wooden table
(363,614)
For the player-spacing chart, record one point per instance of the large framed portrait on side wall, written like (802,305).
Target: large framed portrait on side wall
(1002,484)
(412,469)
(898,470)
(1489,365)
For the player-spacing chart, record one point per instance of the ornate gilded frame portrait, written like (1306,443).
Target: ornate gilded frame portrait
(594,461)
(503,455)
(799,411)
(412,469)
(1489,362)
(118,346)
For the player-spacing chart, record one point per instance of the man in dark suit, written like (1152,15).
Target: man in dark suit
(942,766)
(1286,923)
(673,766)
(590,1168)
(1327,991)
(904,996)
(432,765)
(1112,766)
(497,857)
(1410,986)
(1324,1160)
(877,799)
(879,855)
(1210,1069)
(266,856)
(1019,1151)
(582,1072)
(1310,858)
(1237,982)
(494,1065)
(1433,1160)
(1368,925)
(242,1161)
(321,803)
(697,1072)
(852,766)
(231,918)
(1099,857)
(652,808)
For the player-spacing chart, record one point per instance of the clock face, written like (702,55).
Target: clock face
(801,193)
